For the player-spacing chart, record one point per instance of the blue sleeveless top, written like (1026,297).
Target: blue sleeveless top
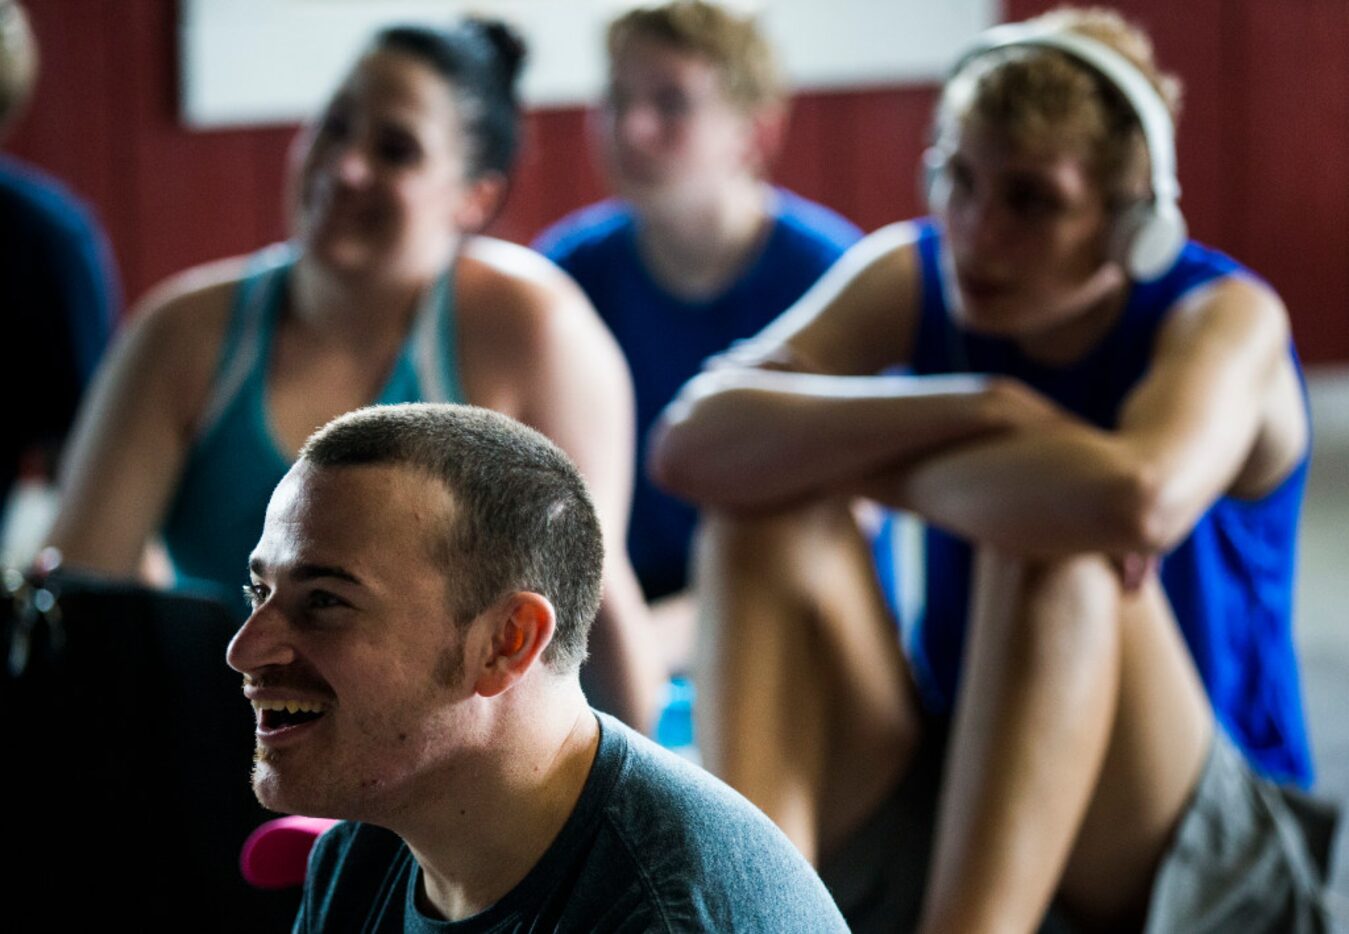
(215,518)
(1230,582)
(666,339)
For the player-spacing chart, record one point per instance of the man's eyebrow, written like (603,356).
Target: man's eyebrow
(309,572)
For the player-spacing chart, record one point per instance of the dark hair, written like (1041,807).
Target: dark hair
(481,60)
(522,517)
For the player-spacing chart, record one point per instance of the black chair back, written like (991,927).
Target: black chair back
(126,792)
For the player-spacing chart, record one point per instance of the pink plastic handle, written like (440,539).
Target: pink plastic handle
(276,855)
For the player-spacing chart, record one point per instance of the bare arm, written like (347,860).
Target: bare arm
(134,428)
(748,437)
(561,372)
(1218,409)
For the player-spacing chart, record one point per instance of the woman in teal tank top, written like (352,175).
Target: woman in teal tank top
(384,294)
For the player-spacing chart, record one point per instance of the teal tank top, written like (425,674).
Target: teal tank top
(216,515)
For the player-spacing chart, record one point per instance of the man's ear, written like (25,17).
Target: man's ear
(522,627)
(483,197)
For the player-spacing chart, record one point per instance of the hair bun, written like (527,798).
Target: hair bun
(508,48)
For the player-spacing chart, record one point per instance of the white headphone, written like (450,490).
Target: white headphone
(1149,234)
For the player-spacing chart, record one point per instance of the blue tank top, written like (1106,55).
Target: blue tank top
(665,338)
(215,518)
(1230,582)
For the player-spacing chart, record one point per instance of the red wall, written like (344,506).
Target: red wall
(1264,145)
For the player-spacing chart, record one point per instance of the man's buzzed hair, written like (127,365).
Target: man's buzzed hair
(522,518)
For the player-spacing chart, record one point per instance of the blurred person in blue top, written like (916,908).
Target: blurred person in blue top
(386,293)
(698,250)
(58,286)
(1106,433)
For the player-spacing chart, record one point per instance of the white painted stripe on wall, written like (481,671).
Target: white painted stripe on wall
(248,62)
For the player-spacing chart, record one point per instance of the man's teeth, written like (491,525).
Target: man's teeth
(289,706)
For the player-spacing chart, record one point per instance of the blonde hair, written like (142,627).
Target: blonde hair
(1035,95)
(750,75)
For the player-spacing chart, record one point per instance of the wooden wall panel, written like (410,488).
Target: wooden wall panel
(1200,55)
(858,152)
(557,172)
(812,148)
(1264,145)
(1294,172)
(189,182)
(270,161)
(888,132)
(69,130)
(74,71)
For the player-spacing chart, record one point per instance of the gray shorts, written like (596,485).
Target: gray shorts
(1248,856)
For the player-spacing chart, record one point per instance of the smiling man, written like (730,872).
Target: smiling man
(421,594)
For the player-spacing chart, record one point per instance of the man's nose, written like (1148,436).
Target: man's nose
(352,164)
(982,224)
(262,641)
(637,124)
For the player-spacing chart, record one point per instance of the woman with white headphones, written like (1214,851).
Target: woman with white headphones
(1103,426)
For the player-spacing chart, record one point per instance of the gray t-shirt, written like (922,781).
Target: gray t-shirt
(654,844)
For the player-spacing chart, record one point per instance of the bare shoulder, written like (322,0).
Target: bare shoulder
(190,308)
(890,240)
(1230,342)
(519,317)
(888,253)
(514,287)
(1248,315)
(136,423)
(860,317)
(888,273)
(1234,307)
(175,332)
